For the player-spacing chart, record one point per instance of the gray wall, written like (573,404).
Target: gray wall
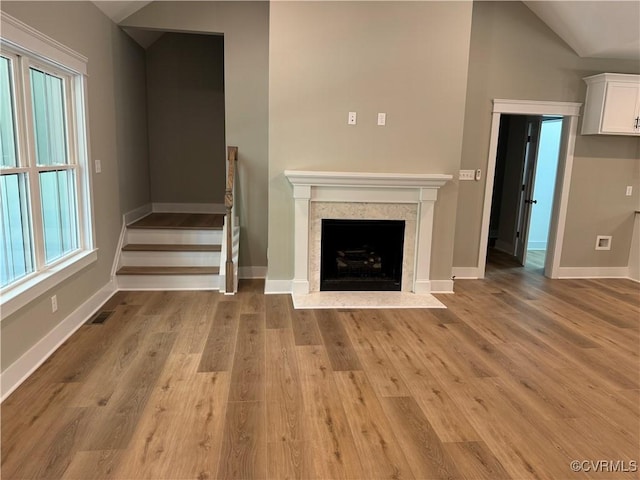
(408,59)
(116,78)
(514,55)
(602,168)
(245,26)
(185,101)
(131,122)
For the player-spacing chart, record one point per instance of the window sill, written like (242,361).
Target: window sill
(17,297)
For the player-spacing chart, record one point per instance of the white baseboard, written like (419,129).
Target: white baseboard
(277,286)
(19,371)
(593,272)
(137,213)
(441,286)
(634,273)
(461,273)
(252,272)
(473,273)
(422,286)
(117,257)
(433,286)
(188,207)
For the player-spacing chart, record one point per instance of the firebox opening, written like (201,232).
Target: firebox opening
(361,255)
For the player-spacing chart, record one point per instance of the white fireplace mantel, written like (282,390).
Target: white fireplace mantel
(360,179)
(365,188)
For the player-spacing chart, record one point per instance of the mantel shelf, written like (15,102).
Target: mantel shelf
(362,179)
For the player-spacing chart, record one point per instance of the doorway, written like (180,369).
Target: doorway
(523,190)
(568,112)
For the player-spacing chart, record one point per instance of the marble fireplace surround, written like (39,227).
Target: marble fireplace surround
(355,195)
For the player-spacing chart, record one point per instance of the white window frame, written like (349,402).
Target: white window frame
(29,48)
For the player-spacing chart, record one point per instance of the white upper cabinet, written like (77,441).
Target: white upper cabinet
(612,106)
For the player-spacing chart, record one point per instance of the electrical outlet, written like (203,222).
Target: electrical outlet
(467,175)
(98,166)
(382,119)
(352,118)
(629,190)
(54,303)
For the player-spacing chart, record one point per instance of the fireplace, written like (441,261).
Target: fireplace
(408,198)
(361,255)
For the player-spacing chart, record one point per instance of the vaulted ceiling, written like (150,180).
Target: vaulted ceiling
(602,29)
(119,10)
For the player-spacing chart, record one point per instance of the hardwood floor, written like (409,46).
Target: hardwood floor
(517,378)
(535,258)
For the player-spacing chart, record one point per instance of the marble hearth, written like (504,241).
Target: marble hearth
(353,195)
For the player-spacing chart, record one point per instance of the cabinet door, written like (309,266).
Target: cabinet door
(621,108)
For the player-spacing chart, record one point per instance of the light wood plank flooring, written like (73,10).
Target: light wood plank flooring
(536,258)
(517,378)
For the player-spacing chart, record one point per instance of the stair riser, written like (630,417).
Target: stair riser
(163,236)
(171,259)
(168,282)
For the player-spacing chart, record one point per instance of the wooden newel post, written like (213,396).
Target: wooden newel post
(232,156)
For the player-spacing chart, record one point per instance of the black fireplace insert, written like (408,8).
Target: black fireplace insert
(361,255)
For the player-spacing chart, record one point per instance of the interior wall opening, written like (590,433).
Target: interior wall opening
(524,190)
(569,112)
(186,118)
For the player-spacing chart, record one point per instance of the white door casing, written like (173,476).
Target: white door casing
(570,112)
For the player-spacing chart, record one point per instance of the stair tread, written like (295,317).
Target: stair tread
(173,247)
(134,270)
(180,221)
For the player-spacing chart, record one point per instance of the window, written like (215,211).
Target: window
(45,221)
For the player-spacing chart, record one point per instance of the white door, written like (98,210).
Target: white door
(526,202)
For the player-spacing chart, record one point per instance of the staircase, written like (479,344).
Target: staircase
(184,251)
(172,251)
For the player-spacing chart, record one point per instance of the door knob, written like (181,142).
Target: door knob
(531,201)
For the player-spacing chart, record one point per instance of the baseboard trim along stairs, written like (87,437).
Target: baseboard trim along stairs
(171,251)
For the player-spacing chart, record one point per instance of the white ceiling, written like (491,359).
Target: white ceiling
(119,10)
(602,29)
